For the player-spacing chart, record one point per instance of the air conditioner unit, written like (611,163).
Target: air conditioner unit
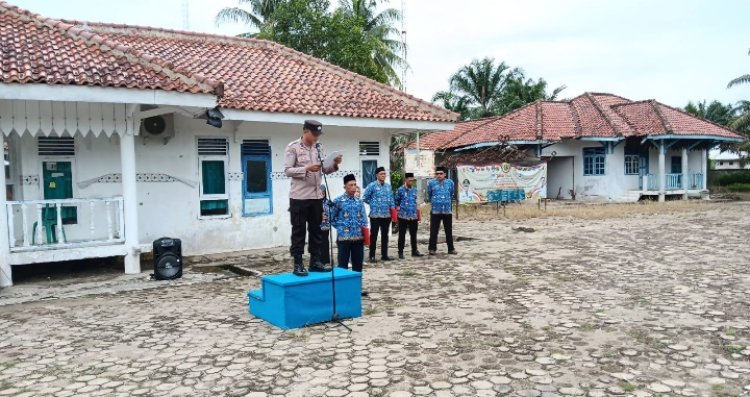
(158,126)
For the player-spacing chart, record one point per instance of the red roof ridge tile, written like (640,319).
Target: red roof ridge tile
(604,114)
(576,121)
(664,122)
(106,45)
(267,44)
(539,120)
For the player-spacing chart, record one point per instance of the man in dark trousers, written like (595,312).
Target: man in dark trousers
(348,217)
(440,193)
(379,196)
(302,165)
(406,204)
(325,227)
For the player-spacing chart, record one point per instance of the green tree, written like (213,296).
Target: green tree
(453,102)
(299,24)
(742,122)
(485,88)
(354,36)
(715,111)
(520,92)
(380,34)
(259,12)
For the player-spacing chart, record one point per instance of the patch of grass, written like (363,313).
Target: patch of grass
(520,282)
(581,210)
(8,364)
(718,389)
(642,336)
(586,327)
(627,386)
(730,332)
(369,311)
(300,337)
(409,273)
(732,349)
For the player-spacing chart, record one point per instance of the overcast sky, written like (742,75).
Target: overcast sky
(669,50)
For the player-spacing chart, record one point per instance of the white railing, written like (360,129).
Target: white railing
(39,224)
(673,182)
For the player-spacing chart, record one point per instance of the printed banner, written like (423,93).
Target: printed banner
(422,165)
(476,183)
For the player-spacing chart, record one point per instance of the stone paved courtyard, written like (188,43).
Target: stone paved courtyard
(646,306)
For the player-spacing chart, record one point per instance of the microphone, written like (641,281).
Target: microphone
(320,156)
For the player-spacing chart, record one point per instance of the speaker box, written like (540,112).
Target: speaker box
(167,258)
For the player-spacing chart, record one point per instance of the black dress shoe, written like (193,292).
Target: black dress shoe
(319,267)
(417,254)
(431,252)
(373,260)
(365,293)
(453,252)
(299,270)
(400,255)
(386,259)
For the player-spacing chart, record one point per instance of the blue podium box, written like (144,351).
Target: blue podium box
(288,301)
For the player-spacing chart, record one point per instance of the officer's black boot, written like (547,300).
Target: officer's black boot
(299,267)
(317,266)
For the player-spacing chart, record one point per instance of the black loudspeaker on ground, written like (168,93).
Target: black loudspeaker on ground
(167,258)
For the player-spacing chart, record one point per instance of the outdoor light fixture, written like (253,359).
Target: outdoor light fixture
(213,117)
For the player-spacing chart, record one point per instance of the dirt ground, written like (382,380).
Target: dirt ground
(646,303)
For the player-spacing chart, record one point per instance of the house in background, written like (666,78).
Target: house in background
(728,160)
(598,146)
(109,146)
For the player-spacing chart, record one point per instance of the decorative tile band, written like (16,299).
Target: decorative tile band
(30,180)
(275,176)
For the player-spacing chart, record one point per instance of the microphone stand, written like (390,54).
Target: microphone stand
(335,315)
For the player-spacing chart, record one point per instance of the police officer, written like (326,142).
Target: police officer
(302,164)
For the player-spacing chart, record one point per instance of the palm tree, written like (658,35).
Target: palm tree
(453,102)
(742,122)
(519,92)
(483,83)
(716,111)
(379,29)
(260,12)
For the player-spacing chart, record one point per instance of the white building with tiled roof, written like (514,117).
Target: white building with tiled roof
(728,160)
(599,146)
(109,147)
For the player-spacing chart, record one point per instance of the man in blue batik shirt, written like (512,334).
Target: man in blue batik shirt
(379,196)
(440,193)
(348,216)
(406,204)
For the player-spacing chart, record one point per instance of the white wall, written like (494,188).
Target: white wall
(560,177)
(172,208)
(590,188)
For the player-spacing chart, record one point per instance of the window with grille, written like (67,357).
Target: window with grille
(369,148)
(212,162)
(632,164)
(593,161)
(56,146)
(257,192)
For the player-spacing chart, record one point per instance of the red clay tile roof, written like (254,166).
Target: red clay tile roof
(260,75)
(247,74)
(588,115)
(38,50)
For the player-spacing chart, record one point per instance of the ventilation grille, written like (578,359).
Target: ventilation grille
(56,146)
(255,147)
(369,148)
(212,146)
